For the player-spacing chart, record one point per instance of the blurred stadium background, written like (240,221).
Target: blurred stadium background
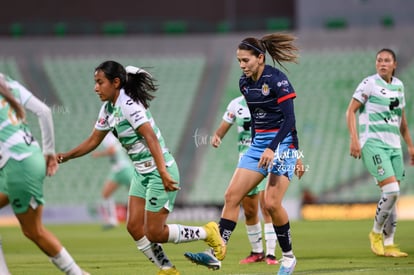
(189,47)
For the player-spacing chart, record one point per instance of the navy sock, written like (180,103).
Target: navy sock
(226,228)
(283,237)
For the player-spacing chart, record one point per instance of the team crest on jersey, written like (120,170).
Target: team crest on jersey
(265,89)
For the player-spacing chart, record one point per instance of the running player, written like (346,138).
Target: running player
(126,93)
(121,173)
(23,167)
(382,121)
(269,96)
(238,113)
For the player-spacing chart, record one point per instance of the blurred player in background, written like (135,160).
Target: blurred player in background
(122,171)
(126,93)
(238,112)
(23,168)
(269,96)
(380,100)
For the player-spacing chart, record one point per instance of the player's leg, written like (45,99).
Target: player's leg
(33,229)
(269,232)
(385,165)
(277,185)
(108,207)
(250,204)
(3,265)
(25,184)
(135,224)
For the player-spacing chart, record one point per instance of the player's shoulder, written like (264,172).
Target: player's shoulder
(237,100)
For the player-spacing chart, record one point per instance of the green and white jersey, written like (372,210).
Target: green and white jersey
(120,160)
(16,140)
(123,118)
(238,112)
(380,115)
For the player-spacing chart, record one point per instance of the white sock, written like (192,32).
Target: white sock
(64,261)
(254,234)
(390,193)
(270,239)
(183,233)
(390,227)
(154,253)
(3,266)
(109,211)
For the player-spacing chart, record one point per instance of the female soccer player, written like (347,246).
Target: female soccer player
(23,168)
(121,173)
(238,113)
(380,101)
(126,93)
(269,96)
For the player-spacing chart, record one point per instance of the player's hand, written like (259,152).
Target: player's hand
(51,165)
(170,185)
(266,159)
(299,168)
(216,141)
(60,158)
(355,149)
(411,155)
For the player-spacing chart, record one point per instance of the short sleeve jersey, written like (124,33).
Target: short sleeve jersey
(120,160)
(237,112)
(16,140)
(264,96)
(123,118)
(381,113)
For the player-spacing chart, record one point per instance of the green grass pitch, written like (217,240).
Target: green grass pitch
(322,247)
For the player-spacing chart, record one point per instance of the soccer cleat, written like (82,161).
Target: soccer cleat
(205,258)
(377,245)
(214,240)
(169,271)
(393,251)
(271,260)
(85,273)
(254,257)
(287,266)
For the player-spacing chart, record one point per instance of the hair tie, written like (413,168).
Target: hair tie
(136,70)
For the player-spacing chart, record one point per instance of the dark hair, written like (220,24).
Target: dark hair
(394,56)
(138,85)
(9,97)
(279,46)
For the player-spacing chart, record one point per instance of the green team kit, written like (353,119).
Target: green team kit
(123,118)
(379,125)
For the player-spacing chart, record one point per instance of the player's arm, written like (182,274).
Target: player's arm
(146,131)
(405,133)
(220,133)
(85,147)
(355,147)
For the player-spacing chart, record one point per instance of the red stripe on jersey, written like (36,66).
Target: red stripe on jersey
(286,97)
(267,130)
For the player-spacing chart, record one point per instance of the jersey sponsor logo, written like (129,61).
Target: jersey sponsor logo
(282,83)
(245,90)
(259,113)
(153,201)
(102,121)
(265,89)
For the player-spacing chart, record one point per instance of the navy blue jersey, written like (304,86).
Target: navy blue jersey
(263,98)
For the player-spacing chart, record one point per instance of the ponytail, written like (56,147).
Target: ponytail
(140,85)
(280,47)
